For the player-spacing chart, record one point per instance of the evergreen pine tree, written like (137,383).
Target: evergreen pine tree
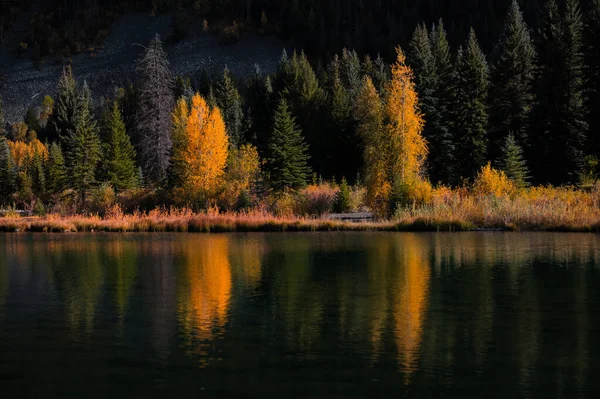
(183,88)
(180,143)
(119,155)
(8,172)
(32,119)
(287,153)
(63,119)
(297,81)
(2,122)
(576,127)
(513,163)
(381,74)
(350,72)
(35,170)
(592,53)
(443,164)
(153,122)
(56,171)
(367,68)
(342,201)
(230,102)
(84,147)
(546,113)
(343,153)
(369,113)
(340,107)
(423,62)
(512,74)
(470,117)
(259,96)
(558,152)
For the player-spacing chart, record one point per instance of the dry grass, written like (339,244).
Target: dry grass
(183,220)
(538,208)
(176,220)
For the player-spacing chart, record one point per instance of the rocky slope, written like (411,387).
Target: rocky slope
(22,84)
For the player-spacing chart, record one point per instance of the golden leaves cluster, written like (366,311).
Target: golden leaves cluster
(201,146)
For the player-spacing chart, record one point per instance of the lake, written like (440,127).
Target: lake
(452,315)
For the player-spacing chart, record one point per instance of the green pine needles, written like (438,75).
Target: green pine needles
(287,152)
(513,163)
(85,147)
(119,155)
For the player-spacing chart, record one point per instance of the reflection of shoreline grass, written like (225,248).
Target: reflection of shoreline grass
(452,214)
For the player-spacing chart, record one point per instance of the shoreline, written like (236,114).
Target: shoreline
(243,223)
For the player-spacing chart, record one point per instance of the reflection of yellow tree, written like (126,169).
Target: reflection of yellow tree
(205,295)
(246,254)
(410,304)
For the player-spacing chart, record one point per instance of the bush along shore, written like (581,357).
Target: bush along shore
(532,209)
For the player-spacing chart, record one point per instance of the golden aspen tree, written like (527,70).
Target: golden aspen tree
(405,124)
(202,151)
(394,147)
(214,149)
(20,151)
(243,167)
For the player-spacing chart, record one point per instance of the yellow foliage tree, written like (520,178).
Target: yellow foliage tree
(405,124)
(20,151)
(242,170)
(395,149)
(202,150)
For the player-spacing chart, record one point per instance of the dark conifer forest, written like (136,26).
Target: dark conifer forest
(511,86)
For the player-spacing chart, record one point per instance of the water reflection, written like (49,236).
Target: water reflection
(204,292)
(78,274)
(122,264)
(410,299)
(449,313)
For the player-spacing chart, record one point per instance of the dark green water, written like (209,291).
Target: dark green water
(502,315)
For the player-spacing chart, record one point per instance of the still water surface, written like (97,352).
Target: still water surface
(461,315)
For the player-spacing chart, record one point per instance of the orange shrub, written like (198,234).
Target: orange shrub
(317,199)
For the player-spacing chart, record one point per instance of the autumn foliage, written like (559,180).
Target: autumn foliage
(202,151)
(405,124)
(395,149)
(494,182)
(22,151)
(243,168)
